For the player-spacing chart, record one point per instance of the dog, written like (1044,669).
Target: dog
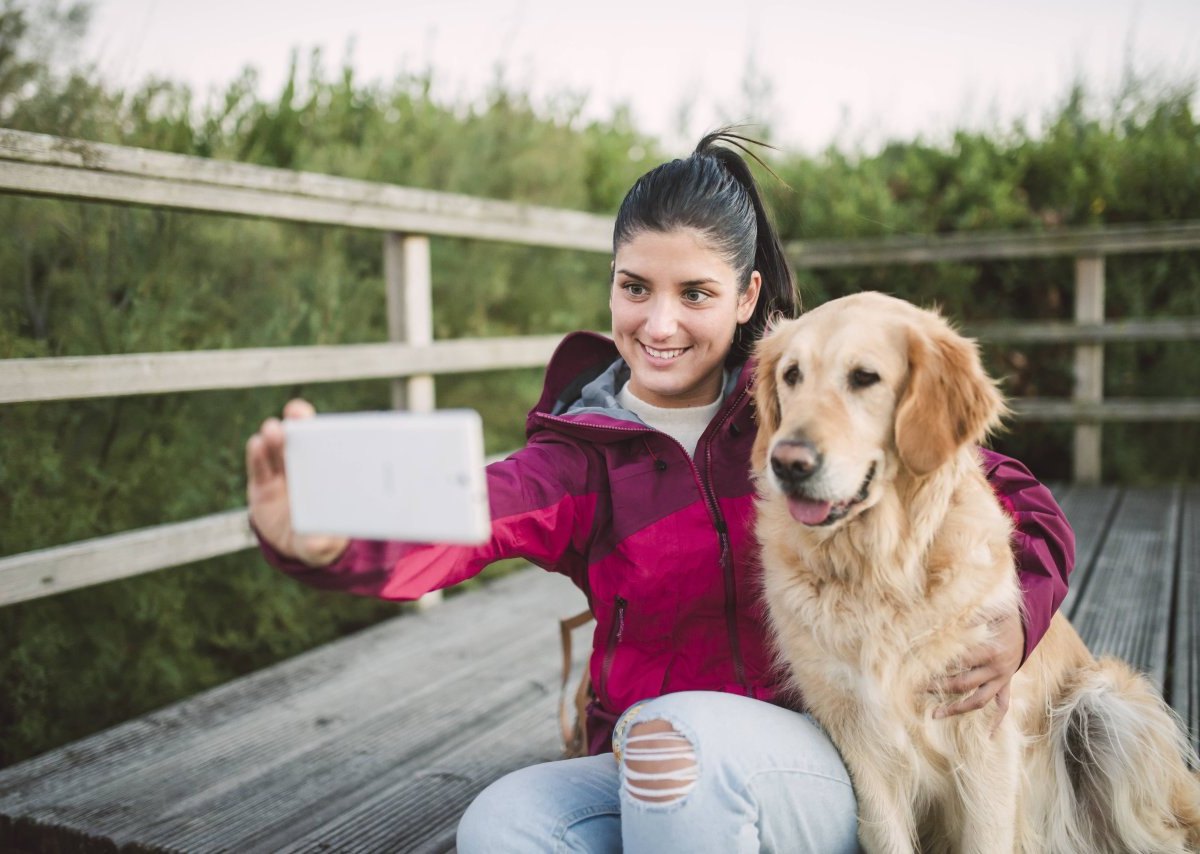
(886,556)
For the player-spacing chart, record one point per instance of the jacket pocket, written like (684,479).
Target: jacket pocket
(615,630)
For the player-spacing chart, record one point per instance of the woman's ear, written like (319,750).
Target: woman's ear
(748,298)
(766,398)
(949,400)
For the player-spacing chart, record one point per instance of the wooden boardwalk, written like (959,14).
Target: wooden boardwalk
(379,741)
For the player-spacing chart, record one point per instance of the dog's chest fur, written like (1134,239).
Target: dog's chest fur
(868,616)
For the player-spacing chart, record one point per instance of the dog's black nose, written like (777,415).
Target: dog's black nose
(794,461)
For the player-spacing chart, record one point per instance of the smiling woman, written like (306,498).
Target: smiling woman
(676,305)
(635,482)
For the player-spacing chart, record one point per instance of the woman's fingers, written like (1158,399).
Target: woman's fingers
(1002,700)
(983,695)
(258,467)
(267,496)
(966,680)
(298,407)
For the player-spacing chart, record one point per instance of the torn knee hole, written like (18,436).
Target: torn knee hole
(660,763)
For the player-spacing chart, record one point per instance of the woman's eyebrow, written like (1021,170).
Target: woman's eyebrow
(690,283)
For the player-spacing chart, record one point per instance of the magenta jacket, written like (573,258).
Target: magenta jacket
(661,545)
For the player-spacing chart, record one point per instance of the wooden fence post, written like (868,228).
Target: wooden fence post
(408,275)
(406,271)
(1089,365)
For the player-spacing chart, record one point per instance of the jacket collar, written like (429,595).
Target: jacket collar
(586,372)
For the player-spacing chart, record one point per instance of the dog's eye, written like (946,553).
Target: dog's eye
(792,375)
(861,378)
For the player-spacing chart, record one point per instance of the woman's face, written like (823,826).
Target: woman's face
(675,307)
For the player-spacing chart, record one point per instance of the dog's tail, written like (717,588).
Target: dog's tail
(1121,767)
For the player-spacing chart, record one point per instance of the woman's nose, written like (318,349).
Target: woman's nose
(661,321)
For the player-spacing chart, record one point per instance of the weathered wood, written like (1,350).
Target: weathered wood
(37,164)
(1089,367)
(409,280)
(376,742)
(1125,608)
(1185,656)
(76,377)
(408,276)
(985,246)
(44,572)
(1057,332)
(1112,409)
(1090,511)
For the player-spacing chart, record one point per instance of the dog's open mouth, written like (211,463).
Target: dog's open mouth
(809,512)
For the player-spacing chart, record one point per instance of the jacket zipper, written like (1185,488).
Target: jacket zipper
(714,510)
(735,643)
(610,650)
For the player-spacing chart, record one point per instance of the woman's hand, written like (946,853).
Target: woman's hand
(267,495)
(986,671)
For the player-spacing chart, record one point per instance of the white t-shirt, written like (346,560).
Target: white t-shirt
(685,424)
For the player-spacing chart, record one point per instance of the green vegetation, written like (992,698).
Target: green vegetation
(81,279)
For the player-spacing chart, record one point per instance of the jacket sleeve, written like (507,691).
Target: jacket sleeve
(1043,542)
(542,505)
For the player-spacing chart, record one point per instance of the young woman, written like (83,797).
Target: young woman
(635,483)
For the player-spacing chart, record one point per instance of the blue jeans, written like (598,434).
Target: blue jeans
(766,779)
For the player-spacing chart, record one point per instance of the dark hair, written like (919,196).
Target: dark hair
(713,192)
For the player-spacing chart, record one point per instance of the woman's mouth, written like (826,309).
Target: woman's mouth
(663,355)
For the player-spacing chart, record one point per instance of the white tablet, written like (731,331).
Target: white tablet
(389,476)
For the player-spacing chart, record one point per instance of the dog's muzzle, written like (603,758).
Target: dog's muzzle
(793,463)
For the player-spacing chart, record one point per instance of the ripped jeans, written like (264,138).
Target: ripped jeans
(698,771)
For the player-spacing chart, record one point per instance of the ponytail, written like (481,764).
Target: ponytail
(714,192)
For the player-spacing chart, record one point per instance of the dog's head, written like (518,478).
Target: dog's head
(858,391)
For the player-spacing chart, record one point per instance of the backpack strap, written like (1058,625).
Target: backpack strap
(574,736)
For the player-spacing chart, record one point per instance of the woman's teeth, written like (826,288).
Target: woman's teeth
(664,354)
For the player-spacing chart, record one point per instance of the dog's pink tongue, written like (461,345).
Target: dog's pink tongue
(808,512)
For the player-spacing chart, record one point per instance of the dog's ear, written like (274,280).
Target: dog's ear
(949,400)
(766,397)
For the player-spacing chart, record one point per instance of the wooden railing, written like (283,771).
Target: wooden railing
(39,165)
(1089,246)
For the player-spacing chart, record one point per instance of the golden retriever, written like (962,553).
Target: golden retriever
(885,557)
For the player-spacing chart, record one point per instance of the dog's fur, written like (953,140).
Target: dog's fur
(913,562)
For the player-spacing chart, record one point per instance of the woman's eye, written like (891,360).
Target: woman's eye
(695,296)
(861,378)
(634,289)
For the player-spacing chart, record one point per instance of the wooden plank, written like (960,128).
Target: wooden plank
(77,377)
(38,164)
(1089,367)
(1111,409)
(1058,332)
(984,246)
(1125,609)
(375,742)
(21,151)
(1090,511)
(1185,658)
(32,575)
(44,572)
(409,280)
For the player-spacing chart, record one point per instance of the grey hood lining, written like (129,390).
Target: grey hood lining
(599,397)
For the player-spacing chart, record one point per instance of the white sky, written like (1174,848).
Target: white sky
(853,70)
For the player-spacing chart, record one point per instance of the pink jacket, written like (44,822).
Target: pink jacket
(662,545)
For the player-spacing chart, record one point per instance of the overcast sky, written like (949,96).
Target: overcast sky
(856,71)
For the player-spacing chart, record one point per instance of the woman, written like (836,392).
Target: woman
(635,483)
